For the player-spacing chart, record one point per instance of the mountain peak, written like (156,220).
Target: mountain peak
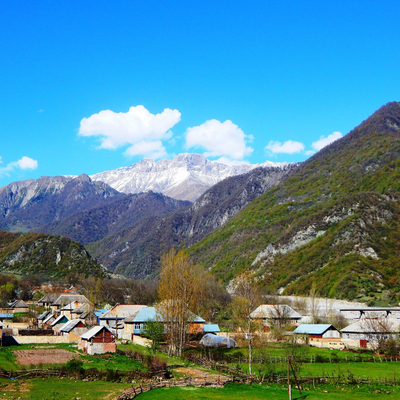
(185,177)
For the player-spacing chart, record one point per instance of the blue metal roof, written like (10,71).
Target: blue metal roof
(313,329)
(211,328)
(150,314)
(6,315)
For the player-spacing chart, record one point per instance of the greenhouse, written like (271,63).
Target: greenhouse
(211,340)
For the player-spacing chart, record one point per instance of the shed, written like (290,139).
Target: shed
(98,340)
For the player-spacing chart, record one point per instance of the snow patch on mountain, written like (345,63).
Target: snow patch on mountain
(185,177)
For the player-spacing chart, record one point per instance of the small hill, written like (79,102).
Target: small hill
(332,223)
(48,255)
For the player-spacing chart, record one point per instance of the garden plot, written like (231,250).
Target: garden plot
(43,356)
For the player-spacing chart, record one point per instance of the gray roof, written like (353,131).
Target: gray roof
(64,299)
(49,297)
(70,325)
(93,332)
(122,311)
(371,325)
(48,318)
(274,311)
(58,319)
(18,304)
(43,315)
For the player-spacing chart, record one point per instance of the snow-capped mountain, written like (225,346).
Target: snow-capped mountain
(186,177)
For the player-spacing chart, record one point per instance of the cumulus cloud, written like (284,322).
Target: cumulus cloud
(324,141)
(151,150)
(223,139)
(25,163)
(288,147)
(137,127)
(230,162)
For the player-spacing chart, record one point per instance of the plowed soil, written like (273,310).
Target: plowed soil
(43,356)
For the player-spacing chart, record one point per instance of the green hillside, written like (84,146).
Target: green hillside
(47,255)
(334,222)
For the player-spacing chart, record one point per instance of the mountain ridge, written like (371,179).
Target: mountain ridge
(319,225)
(185,177)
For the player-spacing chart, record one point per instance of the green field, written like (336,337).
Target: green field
(58,389)
(111,384)
(272,392)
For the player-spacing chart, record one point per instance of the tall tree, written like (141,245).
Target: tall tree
(179,291)
(246,301)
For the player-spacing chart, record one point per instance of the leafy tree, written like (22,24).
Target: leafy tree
(154,330)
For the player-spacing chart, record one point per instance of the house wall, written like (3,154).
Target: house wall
(196,328)
(16,326)
(75,334)
(331,334)
(100,348)
(127,331)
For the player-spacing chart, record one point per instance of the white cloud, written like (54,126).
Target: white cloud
(24,163)
(230,162)
(288,147)
(324,141)
(153,150)
(135,127)
(219,139)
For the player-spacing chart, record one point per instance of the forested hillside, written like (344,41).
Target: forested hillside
(333,223)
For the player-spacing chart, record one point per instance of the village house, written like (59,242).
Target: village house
(6,318)
(97,340)
(134,324)
(369,332)
(18,306)
(73,330)
(320,335)
(60,321)
(48,299)
(268,315)
(65,299)
(115,317)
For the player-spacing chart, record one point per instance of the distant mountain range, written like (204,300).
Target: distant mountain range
(331,223)
(185,177)
(129,232)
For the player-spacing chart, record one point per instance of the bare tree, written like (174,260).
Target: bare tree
(314,309)
(179,291)
(246,300)
(378,331)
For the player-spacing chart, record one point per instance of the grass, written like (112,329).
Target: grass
(272,392)
(59,389)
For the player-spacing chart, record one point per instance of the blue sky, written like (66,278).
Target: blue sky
(89,86)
